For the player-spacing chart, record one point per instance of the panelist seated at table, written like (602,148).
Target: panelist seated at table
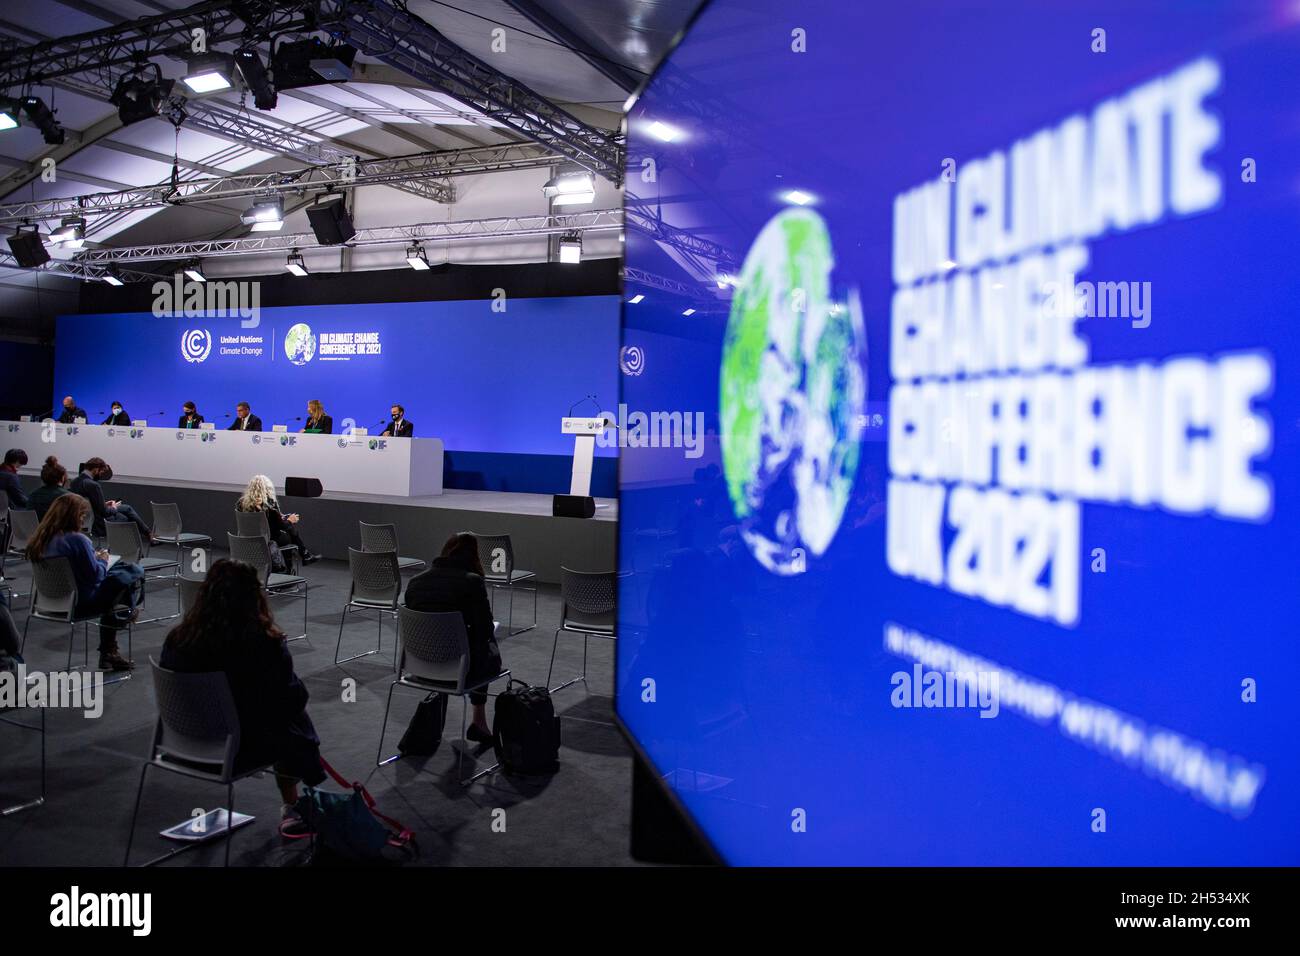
(399,427)
(87,485)
(190,417)
(71,412)
(117,415)
(318,423)
(245,420)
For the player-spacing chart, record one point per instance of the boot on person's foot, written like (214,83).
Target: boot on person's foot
(112,660)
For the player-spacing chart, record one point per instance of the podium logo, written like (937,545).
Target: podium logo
(288,440)
(343,443)
(111,433)
(300,344)
(196,344)
(631,360)
(257,439)
(71,430)
(14,428)
(378,444)
(207,436)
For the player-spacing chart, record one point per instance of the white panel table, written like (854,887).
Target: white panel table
(363,464)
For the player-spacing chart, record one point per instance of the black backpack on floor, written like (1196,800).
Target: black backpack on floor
(424,733)
(525,730)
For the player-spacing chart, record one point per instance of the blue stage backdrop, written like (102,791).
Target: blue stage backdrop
(989,555)
(493,384)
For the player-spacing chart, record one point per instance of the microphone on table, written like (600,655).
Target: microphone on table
(583,401)
(43,415)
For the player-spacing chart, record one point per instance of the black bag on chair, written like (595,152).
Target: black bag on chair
(525,730)
(424,732)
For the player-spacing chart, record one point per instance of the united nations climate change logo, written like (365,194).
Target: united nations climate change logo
(196,344)
(631,360)
(300,344)
(793,383)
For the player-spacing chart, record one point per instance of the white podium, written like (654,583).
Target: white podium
(578,503)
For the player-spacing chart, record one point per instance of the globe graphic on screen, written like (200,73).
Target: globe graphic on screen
(300,344)
(793,383)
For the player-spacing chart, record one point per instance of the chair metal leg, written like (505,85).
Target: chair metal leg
(230,819)
(339,648)
(380,759)
(130,834)
(510,617)
(576,680)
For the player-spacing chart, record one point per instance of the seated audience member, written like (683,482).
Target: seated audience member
(260,496)
(190,417)
(317,421)
(87,485)
(71,412)
(229,628)
(15,458)
(118,415)
(455,583)
(54,479)
(245,420)
(111,592)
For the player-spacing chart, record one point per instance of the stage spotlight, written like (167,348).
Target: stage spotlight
(310,63)
(194,270)
(256,79)
(139,96)
(688,312)
(416,260)
(296,264)
(635,299)
(10,114)
(570,188)
(43,118)
(210,73)
(71,233)
(663,132)
(571,248)
(112,277)
(265,215)
(27,247)
(797,197)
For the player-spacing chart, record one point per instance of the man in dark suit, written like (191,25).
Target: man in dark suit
(118,416)
(245,420)
(191,417)
(87,485)
(399,427)
(71,412)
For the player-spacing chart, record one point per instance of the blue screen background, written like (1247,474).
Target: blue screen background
(772,694)
(493,385)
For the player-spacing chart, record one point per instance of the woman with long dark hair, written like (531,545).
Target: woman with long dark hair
(111,592)
(455,583)
(229,628)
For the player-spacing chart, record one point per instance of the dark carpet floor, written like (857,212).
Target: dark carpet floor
(579,816)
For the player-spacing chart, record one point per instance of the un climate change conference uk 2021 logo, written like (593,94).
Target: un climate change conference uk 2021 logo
(300,344)
(196,344)
(793,384)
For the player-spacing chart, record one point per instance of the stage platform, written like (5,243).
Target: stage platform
(542,543)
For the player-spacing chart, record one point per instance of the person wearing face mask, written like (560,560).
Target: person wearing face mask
(191,417)
(118,416)
(400,426)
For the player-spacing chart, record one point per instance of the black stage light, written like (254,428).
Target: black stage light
(330,220)
(10,114)
(139,96)
(256,79)
(310,63)
(43,118)
(27,247)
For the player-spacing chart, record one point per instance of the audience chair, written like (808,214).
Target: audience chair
(435,658)
(255,550)
(376,586)
(189,591)
(587,608)
(250,523)
(125,542)
(383,537)
(499,570)
(40,729)
(54,598)
(196,736)
(167,529)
